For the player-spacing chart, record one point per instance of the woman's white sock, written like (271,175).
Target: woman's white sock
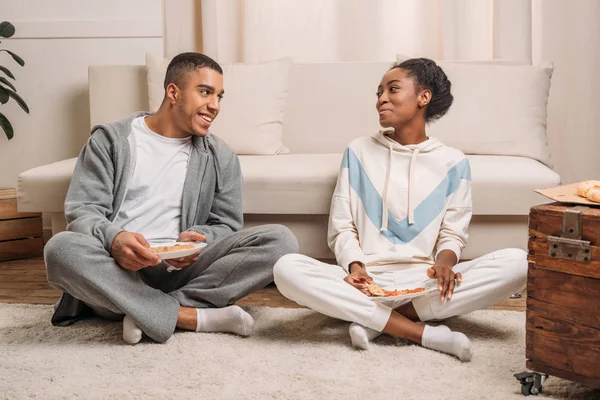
(441,338)
(361,335)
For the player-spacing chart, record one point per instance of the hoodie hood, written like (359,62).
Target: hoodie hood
(413,150)
(384,138)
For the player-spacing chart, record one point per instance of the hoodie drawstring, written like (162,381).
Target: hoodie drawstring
(411,174)
(383,138)
(384,207)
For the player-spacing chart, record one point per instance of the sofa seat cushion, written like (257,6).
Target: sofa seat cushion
(304,183)
(289,184)
(503,185)
(295,183)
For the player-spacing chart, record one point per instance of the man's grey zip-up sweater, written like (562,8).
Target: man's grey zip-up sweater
(212,193)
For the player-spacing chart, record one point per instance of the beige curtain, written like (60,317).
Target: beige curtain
(365,30)
(182,26)
(565,32)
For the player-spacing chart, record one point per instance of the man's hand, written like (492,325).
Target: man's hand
(189,236)
(446,279)
(131,251)
(359,278)
(184,262)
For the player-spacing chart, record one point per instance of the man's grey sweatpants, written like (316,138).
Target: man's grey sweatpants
(226,271)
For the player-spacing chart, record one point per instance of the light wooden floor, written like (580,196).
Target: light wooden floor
(24,281)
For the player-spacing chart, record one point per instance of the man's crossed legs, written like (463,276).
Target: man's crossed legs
(155,301)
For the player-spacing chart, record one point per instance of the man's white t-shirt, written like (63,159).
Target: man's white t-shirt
(152,204)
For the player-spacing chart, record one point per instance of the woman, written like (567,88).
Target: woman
(399,218)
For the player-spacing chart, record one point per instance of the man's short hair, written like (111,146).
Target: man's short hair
(184,63)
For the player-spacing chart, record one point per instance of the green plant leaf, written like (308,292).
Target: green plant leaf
(4,97)
(18,59)
(7,72)
(6,29)
(18,99)
(7,83)
(6,126)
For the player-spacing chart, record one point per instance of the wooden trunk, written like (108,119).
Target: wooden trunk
(563,292)
(20,233)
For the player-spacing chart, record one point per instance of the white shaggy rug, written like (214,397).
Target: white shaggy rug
(293,354)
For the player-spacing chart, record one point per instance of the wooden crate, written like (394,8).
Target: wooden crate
(563,290)
(20,233)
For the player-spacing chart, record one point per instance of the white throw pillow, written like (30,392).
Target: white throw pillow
(499,108)
(251,117)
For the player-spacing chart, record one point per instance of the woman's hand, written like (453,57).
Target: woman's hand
(446,279)
(359,278)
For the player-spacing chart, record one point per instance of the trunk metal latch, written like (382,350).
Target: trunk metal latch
(569,245)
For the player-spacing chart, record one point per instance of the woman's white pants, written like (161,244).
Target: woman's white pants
(486,281)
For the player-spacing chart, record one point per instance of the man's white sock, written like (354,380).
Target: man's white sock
(229,319)
(441,338)
(361,335)
(131,333)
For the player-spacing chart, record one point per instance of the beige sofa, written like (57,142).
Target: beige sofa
(328,105)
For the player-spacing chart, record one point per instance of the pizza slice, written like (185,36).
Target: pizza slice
(176,247)
(377,291)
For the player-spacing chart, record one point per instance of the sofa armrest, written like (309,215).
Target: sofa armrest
(44,188)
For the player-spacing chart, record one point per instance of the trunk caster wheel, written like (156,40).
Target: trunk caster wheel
(531,382)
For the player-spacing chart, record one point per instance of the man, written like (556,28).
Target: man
(162,177)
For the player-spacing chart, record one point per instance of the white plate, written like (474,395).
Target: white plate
(178,253)
(428,288)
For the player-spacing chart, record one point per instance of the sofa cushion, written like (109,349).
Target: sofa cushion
(503,185)
(252,110)
(304,183)
(289,184)
(499,108)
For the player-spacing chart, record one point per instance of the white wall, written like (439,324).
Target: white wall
(58,40)
(568,33)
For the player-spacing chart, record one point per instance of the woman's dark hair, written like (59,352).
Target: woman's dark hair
(428,75)
(182,64)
